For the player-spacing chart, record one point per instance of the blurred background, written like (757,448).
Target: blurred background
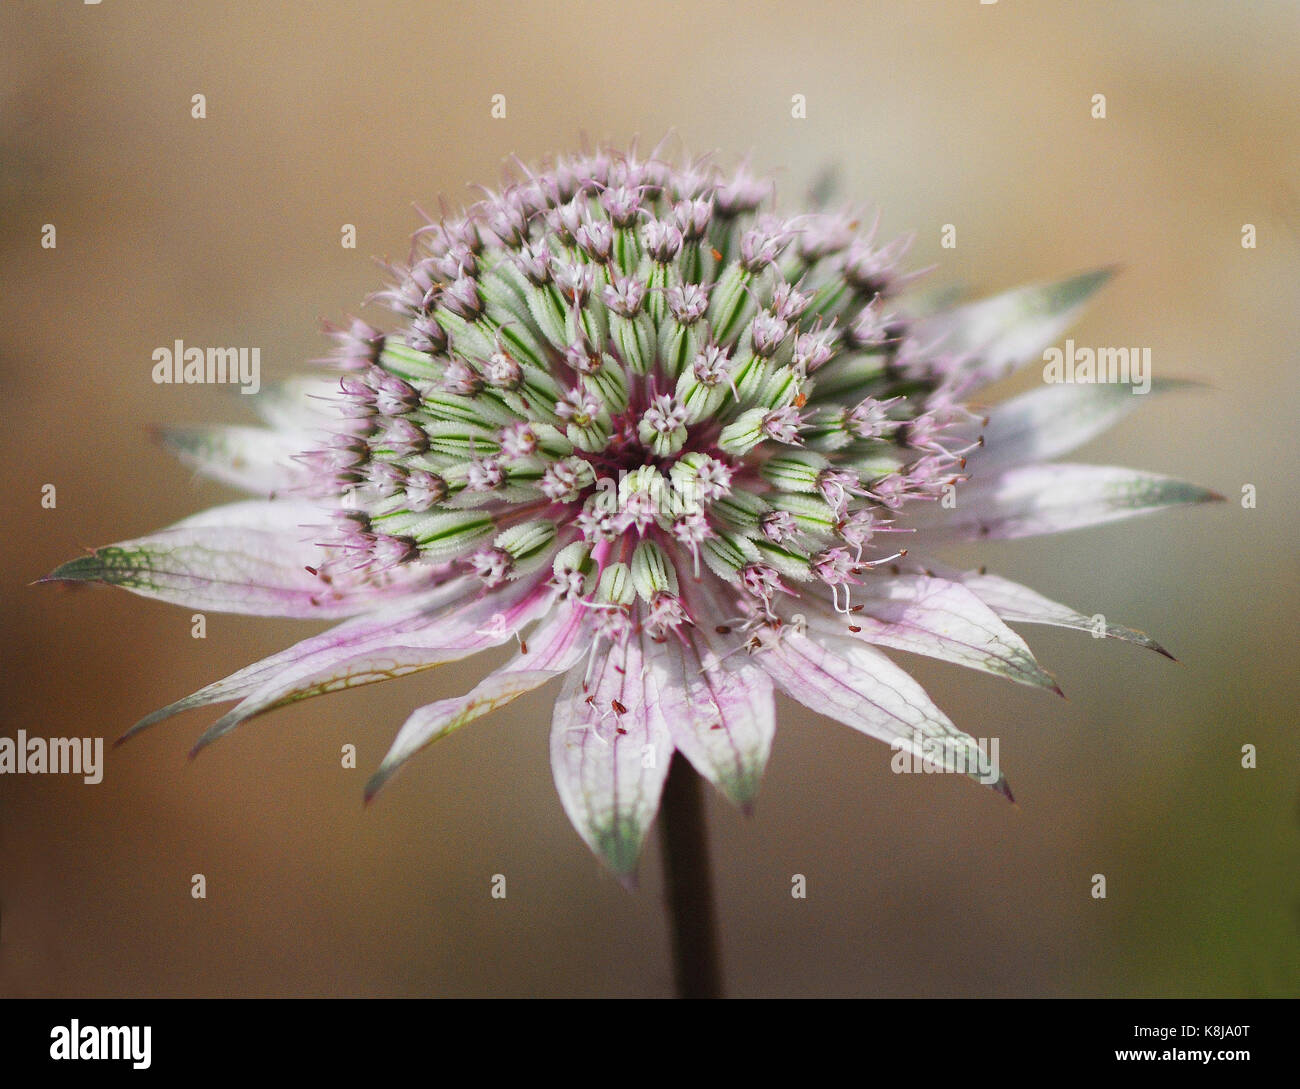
(226,230)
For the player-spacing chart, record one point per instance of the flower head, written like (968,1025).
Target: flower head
(683,449)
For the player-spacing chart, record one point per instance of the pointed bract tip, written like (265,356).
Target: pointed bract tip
(85,568)
(1083,285)
(630,881)
(205,739)
(380,779)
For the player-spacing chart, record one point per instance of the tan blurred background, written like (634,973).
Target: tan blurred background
(226,231)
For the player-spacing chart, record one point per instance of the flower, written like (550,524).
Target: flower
(683,450)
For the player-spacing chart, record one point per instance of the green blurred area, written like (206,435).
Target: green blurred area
(226,231)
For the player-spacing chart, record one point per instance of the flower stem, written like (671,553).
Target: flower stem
(697,966)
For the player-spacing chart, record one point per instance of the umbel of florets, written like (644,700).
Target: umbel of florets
(685,450)
(639,375)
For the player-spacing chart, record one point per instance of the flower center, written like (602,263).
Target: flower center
(642,364)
